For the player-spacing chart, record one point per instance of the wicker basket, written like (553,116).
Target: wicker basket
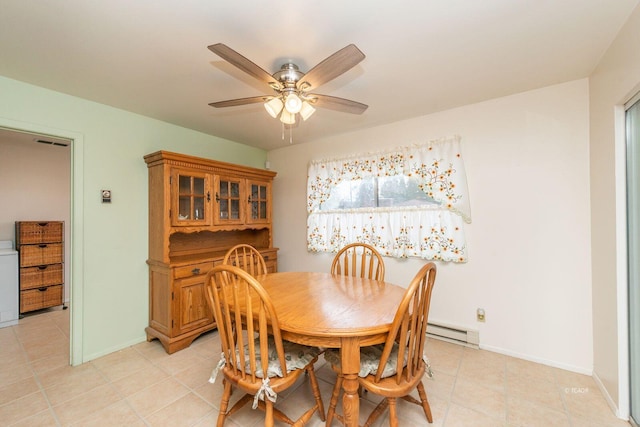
(42,275)
(32,232)
(36,299)
(42,254)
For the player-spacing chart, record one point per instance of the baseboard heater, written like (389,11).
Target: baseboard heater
(453,334)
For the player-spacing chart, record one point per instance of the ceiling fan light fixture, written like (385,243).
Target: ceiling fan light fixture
(273,107)
(306,110)
(293,103)
(287,118)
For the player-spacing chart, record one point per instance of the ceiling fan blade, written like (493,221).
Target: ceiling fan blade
(234,58)
(336,64)
(335,103)
(240,101)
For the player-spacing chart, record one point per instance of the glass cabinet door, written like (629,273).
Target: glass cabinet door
(191,198)
(229,193)
(259,202)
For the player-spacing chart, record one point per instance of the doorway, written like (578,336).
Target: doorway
(632,118)
(36,171)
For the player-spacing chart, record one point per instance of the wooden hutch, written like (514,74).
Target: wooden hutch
(198,209)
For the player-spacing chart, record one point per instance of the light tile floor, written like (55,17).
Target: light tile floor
(144,386)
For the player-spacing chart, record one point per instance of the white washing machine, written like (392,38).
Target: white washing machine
(8,284)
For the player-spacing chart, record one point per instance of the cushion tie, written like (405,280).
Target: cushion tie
(427,363)
(219,366)
(264,391)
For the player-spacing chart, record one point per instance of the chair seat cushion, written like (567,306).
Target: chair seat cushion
(369,360)
(297,356)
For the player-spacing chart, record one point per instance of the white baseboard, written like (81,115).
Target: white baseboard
(609,399)
(119,347)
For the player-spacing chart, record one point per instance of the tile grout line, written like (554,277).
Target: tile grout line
(453,387)
(172,376)
(114,388)
(36,378)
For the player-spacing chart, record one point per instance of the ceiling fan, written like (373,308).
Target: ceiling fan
(292,87)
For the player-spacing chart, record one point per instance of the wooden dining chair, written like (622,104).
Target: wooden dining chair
(358,259)
(235,296)
(394,369)
(247,258)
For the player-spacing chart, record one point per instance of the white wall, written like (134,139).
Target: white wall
(35,185)
(110,241)
(527,164)
(615,81)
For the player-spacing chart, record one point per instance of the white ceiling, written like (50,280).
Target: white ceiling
(150,56)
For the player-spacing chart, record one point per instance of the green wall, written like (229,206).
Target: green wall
(109,289)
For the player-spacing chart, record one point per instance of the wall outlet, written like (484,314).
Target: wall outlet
(480,315)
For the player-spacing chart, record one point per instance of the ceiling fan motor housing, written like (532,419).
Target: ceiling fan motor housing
(289,74)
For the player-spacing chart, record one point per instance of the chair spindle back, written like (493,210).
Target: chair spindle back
(358,260)
(229,288)
(247,258)
(409,326)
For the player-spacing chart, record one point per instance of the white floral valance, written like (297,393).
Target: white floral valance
(430,232)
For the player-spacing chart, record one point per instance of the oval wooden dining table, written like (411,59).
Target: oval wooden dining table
(326,310)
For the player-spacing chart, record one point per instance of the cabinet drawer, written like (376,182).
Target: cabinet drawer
(270,259)
(42,254)
(42,275)
(192,270)
(36,299)
(272,266)
(30,232)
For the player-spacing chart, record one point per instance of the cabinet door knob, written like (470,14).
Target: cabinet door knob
(217,197)
(208,196)
(42,289)
(42,246)
(196,271)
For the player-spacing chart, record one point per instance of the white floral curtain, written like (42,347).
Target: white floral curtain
(433,232)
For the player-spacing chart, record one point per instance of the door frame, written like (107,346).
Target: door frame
(76,258)
(635,99)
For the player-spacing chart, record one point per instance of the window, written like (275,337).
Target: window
(377,192)
(411,201)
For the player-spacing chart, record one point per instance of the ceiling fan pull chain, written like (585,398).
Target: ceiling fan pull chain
(282,130)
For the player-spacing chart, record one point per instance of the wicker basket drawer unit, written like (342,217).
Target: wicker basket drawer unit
(31,232)
(42,275)
(41,252)
(42,297)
